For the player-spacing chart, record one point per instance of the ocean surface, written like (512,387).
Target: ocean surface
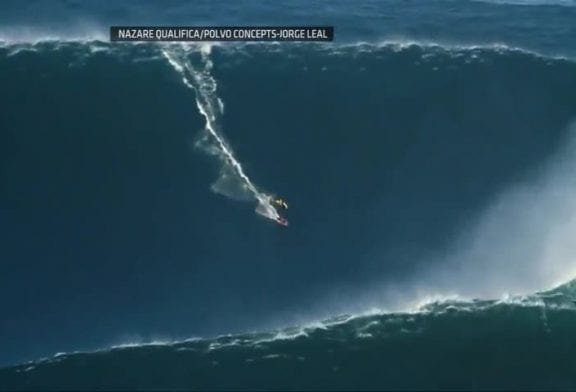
(427,156)
(523,344)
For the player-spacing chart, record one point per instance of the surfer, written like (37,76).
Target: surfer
(280,203)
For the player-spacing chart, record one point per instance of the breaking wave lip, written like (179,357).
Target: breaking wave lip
(100,36)
(24,35)
(98,45)
(560,298)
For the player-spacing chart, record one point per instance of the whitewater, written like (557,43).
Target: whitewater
(212,107)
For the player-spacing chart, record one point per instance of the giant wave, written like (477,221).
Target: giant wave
(379,126)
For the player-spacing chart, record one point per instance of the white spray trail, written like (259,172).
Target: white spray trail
(211,107)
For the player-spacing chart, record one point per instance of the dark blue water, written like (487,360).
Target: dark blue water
(388,151)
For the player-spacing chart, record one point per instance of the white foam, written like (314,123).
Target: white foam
(211,107)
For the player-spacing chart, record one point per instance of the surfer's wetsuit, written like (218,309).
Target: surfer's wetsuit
(281,203)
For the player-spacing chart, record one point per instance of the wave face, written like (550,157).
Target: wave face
(520,344)
(428,153)
(386,154)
